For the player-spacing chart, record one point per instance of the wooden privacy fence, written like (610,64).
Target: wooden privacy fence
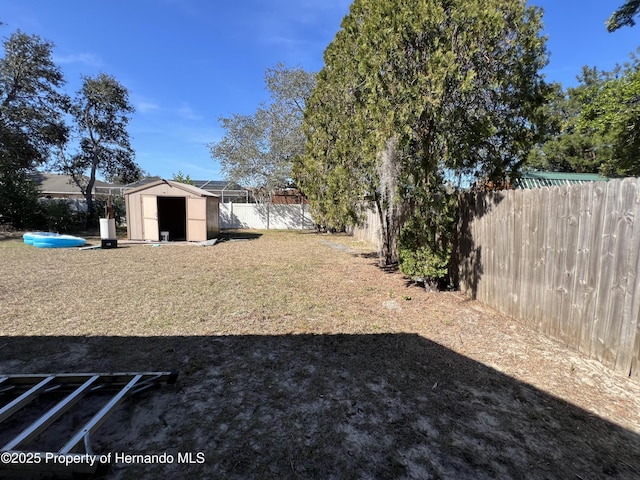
(369,229)
(564,260)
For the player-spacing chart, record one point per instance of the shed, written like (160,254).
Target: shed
(184,211)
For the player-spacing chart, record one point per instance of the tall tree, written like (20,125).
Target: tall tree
(597,125)
(611,116)
(31,119)
(623,16)
(257,151)
(101,111)
(567,148)
(457,87)
(338,171)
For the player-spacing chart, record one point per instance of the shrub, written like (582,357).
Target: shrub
(19,205)
(426,240)
(58,216)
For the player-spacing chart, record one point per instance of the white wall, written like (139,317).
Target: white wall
(265,216)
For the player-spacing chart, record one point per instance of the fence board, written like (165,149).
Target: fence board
(632,298)
(549,315)
(567,275)
(515,251)
(602,320)
(481,233)
(580,296)
(369,230)
(597,206)
(493,257)
(565,261)
(634,368)
(539,254)
(523,242)
(501,252)
(620,298)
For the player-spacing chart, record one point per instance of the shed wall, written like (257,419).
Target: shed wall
(133,204)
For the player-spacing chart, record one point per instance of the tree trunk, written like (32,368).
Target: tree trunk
(386,248)
(88,195)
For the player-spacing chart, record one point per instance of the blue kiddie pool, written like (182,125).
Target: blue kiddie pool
(29,236)
(52,240)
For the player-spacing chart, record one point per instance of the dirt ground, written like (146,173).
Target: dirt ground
(299,358)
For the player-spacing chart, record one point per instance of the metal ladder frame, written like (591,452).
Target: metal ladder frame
(27,388)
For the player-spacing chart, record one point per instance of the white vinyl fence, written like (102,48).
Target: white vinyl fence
(266,216)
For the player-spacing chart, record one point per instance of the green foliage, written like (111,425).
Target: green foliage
(31,106)
(18,200)
(566,148)
(58,216)
(257,151)
(31,111)
(623,16)
(421,262)
(338,170)
(595,125)
(611,116)
(426,239)
(456,84)
(182,178)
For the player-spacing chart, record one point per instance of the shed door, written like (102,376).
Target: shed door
(150,218)
(196,219)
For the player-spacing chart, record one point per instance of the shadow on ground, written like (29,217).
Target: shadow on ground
(332,406)
(238,235)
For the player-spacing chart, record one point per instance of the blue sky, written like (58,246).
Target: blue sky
(188,62)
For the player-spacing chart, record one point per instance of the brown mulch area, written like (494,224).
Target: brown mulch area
(299,358)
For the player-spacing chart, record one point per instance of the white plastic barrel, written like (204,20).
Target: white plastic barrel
(108,228)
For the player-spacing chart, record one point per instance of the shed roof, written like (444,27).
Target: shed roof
(182,186)
(555,179)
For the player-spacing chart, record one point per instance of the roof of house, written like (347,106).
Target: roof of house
(182,186)
(555,179)
(139,183)
(53,183)
(217,185)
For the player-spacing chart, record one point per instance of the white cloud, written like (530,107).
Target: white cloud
(85,58)
(205,171)
(185,111)
(144,106)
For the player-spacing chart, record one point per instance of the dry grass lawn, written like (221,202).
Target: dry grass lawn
(299,358)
